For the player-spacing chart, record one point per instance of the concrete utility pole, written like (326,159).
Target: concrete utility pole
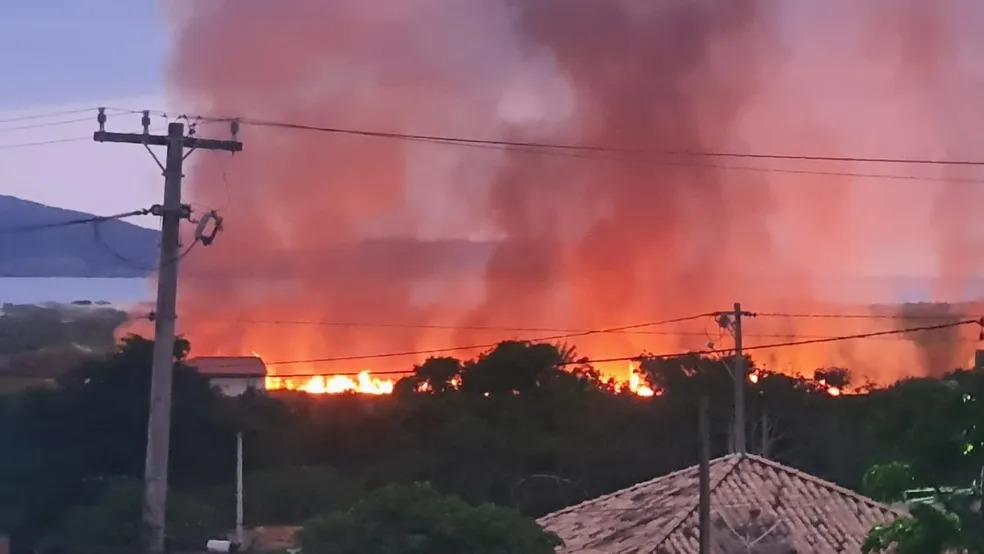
(171,213)
(704,474)
(741,445)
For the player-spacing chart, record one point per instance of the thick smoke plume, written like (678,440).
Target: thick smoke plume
(346,229)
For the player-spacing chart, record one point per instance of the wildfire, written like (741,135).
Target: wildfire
(363,383)
(831,390)
(635,384)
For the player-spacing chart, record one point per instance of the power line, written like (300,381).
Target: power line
(130,262)
(491,345)
(480,328)
(575,151)
(45,124)
(71,222)
(52,114)
(705,352)
(865,175)
(436,326)
(859,316)
(603,149)
(42,142)
(52,141)
(803,342)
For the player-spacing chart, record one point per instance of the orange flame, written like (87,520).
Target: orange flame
(635,384)
(363,383)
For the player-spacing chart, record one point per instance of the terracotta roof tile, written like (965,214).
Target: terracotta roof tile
(780,509)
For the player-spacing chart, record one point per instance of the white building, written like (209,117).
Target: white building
(233,375)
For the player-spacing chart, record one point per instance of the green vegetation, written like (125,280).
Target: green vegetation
(416,519)
(28,328)
(940,520)
(512,428)
(39,343)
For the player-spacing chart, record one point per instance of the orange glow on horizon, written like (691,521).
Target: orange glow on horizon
(365,383)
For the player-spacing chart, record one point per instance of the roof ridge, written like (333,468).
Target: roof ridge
(628,489)
(736,460)
(824,483)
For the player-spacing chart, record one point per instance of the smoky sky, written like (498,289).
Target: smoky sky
(329,227)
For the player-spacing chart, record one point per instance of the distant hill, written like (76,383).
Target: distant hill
(120,249)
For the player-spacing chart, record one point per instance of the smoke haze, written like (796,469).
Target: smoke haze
(340,228)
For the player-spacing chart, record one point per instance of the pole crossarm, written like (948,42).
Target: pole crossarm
(162,140)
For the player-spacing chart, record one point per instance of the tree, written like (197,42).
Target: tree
(295,494)
(112,524)
(416,519)
(940,520)
(514,367)
(62,447)
(435,375)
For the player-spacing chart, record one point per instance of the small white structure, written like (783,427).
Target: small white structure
(233,375)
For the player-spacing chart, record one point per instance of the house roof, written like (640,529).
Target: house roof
(753,500)
(229,366)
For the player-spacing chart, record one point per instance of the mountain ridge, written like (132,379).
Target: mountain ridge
(113,248)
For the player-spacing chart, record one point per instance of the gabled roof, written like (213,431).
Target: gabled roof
(753,500)
(229,366)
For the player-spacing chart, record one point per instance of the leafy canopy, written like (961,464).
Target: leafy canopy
(416,519)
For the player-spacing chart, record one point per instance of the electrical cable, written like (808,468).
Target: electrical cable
(864,175)
(426,326)
(579,151)
(97,236)
(53,114)
(635,357)
(71,222)
(53,141)
(858,316)
(554,148)
(45,124)
(491,345)
(480,328)
(43,142)
(803,342)
(592,148)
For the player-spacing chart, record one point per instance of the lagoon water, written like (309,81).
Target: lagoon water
(39,290)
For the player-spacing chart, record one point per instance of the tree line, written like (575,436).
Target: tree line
(523,426)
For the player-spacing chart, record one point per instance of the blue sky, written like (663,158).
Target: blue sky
(62,55)
(66,51)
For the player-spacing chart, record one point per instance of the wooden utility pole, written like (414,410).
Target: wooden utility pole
(704,471)
(741,445)
(171,213)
